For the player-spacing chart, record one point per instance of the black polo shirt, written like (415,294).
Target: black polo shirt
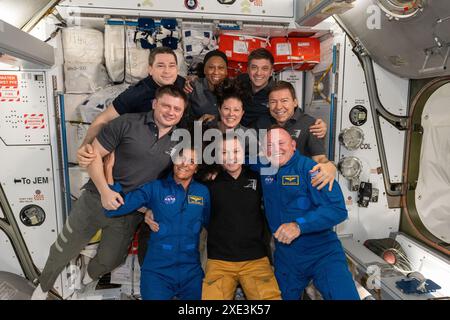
(140,155)
(139,98)
(237,227)
(256,105)
(298,127)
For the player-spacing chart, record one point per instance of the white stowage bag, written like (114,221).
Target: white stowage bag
(84,77)
(198,40)
(82,45)
(71,103)
(136,64)
(84,71)
(182,65)
(96,103)
(115,52)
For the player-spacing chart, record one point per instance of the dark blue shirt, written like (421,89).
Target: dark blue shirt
(256,105)
(139,98)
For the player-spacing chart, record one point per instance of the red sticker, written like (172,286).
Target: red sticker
(38,195)
(8,81)
(34,121)
(9,88)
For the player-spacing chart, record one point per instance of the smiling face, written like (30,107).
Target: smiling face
(168,110)
(232,155)
(164,69)
(282,105)
(185,165)
(215,71)
(259,71)
(279,147)
(231,112)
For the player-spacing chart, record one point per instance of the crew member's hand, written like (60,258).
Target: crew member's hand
(326,175)
(142,210)
(319,129)
(188,84)
(211,176)
(149,219)
(207,118)
(111,200)
(287,232)
(85,155)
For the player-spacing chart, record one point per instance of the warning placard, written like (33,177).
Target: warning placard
(8,80)
(9,88)
(34,121)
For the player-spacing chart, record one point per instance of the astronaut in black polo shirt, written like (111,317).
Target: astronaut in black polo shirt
(237,246)
(162,70)
(143,145)
(283,106)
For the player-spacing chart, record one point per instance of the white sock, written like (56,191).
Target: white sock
(87,279)
(38,294)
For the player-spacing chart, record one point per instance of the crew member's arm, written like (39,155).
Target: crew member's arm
(133,200)
(107,140)
(108,165)
(330,210)
(85,154)
(109,198)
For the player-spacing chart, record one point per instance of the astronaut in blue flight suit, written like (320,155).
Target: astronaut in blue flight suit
(302,220)
(181,206)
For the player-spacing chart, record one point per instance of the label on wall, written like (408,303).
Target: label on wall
(9,88)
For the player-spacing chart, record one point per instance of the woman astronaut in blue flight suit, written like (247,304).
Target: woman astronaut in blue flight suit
(181,206)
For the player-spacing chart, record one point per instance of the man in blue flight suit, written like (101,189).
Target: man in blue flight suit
(302,220)
(181,206)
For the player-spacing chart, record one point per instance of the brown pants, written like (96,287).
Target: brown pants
(255,276)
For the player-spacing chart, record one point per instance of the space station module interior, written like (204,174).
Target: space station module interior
(374,70)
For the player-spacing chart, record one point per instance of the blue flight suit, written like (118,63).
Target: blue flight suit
(317,253)
(172,264)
